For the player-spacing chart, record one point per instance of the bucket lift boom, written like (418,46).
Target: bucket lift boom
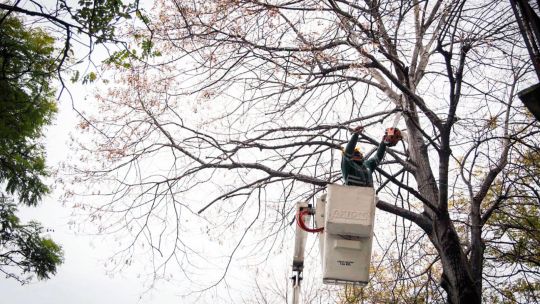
(300,239)
(345,219)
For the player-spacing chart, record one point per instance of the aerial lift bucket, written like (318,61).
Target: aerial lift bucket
(347,214)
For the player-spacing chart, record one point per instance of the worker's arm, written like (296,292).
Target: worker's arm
(374,161)
(349,149)
(346,158)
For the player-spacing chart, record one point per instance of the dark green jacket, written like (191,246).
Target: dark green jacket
(356,174)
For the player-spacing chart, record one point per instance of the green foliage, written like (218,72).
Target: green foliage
(522,227)
(24,249)
(100,17)
(515,228)
(147,47)
(518,219)
(120,58)
(29,64)
(27,104)
(123,58)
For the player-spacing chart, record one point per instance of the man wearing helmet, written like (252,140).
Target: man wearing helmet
(356,171)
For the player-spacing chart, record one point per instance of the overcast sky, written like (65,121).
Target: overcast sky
(82,278)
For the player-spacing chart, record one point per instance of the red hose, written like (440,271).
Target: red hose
(302,225)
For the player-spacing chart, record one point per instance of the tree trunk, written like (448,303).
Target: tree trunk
(457,278)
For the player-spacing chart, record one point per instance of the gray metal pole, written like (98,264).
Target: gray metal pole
(300,240)
(297,279)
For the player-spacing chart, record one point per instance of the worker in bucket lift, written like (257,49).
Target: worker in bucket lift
(357,171)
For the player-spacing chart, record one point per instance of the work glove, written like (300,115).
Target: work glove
(357,130)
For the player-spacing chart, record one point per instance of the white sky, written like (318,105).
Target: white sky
(82,278)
